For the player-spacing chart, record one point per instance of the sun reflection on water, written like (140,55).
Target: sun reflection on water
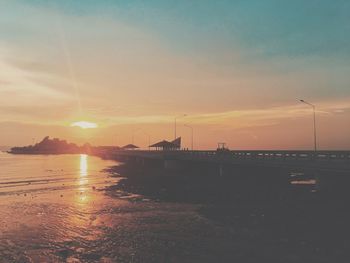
(83,165)
(83,177)
(84,171)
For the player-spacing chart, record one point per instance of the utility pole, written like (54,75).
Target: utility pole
(183,115)
(314,114)
(188,126)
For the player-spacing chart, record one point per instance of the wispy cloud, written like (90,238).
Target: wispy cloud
(231,65)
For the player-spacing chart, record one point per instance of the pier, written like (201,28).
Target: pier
(321,160)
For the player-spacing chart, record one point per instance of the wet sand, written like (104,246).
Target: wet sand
(94,211)
(253,215)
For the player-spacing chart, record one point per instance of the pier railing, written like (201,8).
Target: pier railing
(248,155)
(326,160)
(280,155)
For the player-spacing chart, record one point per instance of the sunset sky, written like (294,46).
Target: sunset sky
(237,68)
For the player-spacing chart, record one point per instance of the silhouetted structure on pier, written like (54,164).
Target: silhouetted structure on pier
(130,147)
(163,145)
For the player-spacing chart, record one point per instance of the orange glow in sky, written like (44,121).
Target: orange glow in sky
(236,70)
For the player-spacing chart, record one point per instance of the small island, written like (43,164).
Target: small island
(52,146)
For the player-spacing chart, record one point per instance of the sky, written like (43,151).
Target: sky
(236,68)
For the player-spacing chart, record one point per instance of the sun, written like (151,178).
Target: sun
(84,125)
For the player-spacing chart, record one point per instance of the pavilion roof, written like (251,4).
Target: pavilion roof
(163,144)
(130,146)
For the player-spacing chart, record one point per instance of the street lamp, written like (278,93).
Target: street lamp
(183,115)
(314,112)
(188,126)
(149,139)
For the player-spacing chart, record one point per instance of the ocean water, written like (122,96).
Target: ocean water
(50,174)
(48,205)
(59,208)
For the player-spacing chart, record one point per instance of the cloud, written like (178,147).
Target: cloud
(21,84)
(231,66)
(99,57)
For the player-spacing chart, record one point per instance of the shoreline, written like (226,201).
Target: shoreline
(145,213)
(303,225)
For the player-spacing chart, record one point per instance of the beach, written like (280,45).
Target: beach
(79,208)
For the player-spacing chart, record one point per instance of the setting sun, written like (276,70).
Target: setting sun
(84,125)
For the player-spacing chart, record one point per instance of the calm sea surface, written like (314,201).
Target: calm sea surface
(48,205)
(58,208)
(53,175)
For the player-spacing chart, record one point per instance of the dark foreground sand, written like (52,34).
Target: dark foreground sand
(244,216)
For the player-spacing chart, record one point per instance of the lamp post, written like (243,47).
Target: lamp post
(183,115)
(314,113)
(149,139)
(188,126)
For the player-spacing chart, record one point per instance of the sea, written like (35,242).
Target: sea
(48,205)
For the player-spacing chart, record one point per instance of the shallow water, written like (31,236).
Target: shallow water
(57,209)
(46,202)
(31,174)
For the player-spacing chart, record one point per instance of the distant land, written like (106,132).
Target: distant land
(52,146)
(4,148)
